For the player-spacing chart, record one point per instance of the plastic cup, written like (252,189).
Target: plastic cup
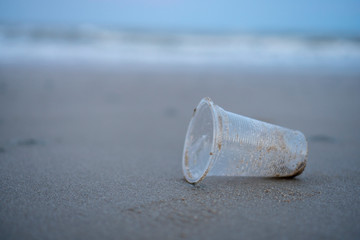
(221,143)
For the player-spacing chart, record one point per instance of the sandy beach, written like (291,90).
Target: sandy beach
(89,152)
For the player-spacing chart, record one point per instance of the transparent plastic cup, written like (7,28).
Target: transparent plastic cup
(221,143)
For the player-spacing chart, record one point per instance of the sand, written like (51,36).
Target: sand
(92,152)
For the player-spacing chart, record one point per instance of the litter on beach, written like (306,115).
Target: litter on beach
(221,143)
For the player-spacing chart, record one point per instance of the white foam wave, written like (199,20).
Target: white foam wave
(104,45)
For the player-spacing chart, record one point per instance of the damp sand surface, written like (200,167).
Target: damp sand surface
(91,152)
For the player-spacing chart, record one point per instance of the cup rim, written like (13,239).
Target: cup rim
(215,146)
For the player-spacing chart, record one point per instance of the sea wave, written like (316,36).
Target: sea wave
(90,43)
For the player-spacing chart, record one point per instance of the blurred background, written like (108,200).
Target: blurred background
(321,34)
(96,96)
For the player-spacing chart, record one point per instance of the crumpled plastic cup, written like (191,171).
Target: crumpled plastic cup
(221,143)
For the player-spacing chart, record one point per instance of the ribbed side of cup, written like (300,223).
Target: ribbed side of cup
(248,147)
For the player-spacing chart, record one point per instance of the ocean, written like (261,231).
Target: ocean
(109,45)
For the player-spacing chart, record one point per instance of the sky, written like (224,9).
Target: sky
(307,16)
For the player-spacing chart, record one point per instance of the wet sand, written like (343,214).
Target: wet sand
(95,153)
